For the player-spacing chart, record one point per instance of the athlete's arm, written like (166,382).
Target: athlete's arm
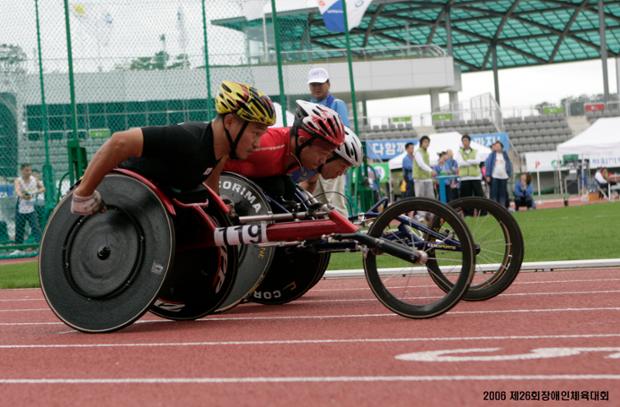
(213,180)
(310,184)
(120,147)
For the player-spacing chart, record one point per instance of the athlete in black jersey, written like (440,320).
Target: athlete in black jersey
(182,156)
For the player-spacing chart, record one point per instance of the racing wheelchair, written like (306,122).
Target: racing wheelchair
(176,254)
(298,266)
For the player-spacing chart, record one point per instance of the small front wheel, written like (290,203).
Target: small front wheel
(409,289)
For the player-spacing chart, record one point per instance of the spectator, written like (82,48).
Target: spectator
(422,172)
(451,167)
(603,180)
(524,192)
(408,170)
(39,200)
(318,82)
(26,188)
(439,168)
(498,171)
(469,169)
(485,185)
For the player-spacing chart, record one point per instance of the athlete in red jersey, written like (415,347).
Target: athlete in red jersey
(316,133)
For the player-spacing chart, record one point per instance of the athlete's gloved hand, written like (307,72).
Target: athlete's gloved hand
(86,205)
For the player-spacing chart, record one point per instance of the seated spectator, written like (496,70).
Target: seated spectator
(524,192)
(603,180)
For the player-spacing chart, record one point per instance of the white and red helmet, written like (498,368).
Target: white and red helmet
(319,122)
(351,149)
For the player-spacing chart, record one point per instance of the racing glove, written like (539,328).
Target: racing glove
(86,205)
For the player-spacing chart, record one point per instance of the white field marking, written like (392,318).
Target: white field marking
(455,355)
(304,341)
(345,316)
(312,379)
(427,297)
(366,287)
(21,299)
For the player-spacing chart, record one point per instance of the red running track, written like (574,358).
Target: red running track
(550,332)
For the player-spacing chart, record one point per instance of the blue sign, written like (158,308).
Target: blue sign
(6,190)
(386,149)
(487,139)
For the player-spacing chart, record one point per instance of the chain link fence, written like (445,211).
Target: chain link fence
(75,72)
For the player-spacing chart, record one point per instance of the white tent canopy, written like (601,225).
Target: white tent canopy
(442,142)
(600,143)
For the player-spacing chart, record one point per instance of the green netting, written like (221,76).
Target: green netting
(135,64)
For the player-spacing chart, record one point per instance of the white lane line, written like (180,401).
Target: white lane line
(317,300)
(21,299)
(312,379)
(320,300)
(305,341)
(366,287)
(345,316)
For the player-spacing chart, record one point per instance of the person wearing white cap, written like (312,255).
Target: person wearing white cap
(318,82)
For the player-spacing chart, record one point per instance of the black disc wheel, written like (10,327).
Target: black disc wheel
(438,231)
(254,260)
(100,273)
(201,278)
(293,271)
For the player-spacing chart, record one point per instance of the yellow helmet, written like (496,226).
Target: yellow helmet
(247,102)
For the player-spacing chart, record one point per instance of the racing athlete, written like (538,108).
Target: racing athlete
(182,156)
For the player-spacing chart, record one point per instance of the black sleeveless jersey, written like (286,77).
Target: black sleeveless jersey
(179,156)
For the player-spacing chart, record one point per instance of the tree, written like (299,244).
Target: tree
(12,59)
(159,61)
(541,107)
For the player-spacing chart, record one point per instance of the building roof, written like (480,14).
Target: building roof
(528,32)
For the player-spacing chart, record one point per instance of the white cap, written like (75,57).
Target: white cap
(318,75)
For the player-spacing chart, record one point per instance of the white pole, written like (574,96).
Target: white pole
(560,176)
(538,182)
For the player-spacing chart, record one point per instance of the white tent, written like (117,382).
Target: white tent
(600,143)
(290,117)
(442,142)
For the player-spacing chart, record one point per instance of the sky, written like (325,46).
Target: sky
(138,24)
(520,88)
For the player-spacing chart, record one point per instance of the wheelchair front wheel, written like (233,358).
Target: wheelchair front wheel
(409,289)
(498,245)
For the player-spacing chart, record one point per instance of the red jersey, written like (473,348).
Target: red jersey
(269,159)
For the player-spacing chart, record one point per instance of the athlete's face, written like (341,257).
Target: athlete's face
(334,169)
(315,155)
(250,139)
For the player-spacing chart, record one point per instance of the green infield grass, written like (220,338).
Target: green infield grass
(572,233)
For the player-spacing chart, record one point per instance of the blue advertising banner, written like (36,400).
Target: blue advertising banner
(487,139)
(386,149)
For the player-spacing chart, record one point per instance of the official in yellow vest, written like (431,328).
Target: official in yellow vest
(422,172)
(469,169)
